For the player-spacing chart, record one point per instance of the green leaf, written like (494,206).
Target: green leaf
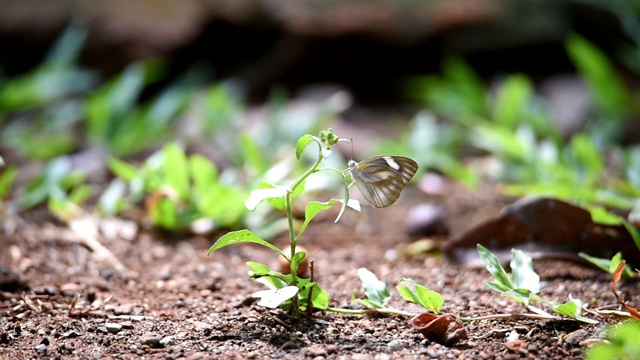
(601,215)
(122,169)
(375,290)
(634,232)
(223,204)
(588,155)
(494,267)
(523,296)
(270,278)
(312,209)
(242,236)
(253,155)
(37,192)
(164,213)
(111,200)
(258,268)
(429,299)
(573,310)
(176,169)
(258,195)
(500,141)
(297,259)
(7,178)
(61,207)
(603,264)
(371,304)
(522,274)
(408,294)
(204,174)
(615,262)
(609,265)
(319,297)
(497,287)
(511,101)
(302,143)
(80,194)
(623,343)
(593,64)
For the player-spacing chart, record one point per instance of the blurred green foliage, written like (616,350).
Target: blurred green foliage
(45,104)
(527,151)
(63,188)
(623,343)
(59,108)
(178,190)
(116,121)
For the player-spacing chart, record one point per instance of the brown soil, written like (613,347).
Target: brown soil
(174,301)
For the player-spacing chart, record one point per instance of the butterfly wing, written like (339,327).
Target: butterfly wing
(382,178)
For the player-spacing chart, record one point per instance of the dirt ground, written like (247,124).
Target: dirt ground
(170,300)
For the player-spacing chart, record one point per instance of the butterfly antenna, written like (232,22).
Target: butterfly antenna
(351,141)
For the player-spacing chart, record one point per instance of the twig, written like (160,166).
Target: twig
(83,231)
(310,297)
(74,302)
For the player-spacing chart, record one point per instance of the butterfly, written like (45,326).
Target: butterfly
(382,178)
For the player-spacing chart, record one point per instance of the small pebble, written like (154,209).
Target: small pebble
(167,340)
(113,328)
(152,340)
(576,337)
(395,345)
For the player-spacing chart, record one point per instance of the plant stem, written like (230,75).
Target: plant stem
(389,311)
(509,316)
(293,239)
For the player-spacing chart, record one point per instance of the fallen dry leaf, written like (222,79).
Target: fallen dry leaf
(615,278)
(444,329)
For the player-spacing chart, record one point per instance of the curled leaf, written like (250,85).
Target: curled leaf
(615,278)
(302,143)
(444,329)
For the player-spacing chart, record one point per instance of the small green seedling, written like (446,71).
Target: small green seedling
(375,290)
(609,265)
(524,283)
(378,295)
(283,287)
